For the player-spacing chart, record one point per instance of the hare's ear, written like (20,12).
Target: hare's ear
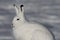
(22,8)
(16,8)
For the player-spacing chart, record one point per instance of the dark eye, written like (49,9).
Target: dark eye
(17,19)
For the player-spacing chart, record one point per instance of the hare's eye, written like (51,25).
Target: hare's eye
(17,19)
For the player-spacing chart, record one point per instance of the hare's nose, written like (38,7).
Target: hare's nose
(12,24)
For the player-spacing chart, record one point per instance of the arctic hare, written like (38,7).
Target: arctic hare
(24,30)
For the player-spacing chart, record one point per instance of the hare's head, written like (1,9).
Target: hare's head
(19,18)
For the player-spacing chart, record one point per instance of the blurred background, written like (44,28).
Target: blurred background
(46,12)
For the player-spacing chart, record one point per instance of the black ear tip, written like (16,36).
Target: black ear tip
(22,6)
(13,4)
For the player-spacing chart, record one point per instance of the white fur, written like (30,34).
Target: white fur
(23,30)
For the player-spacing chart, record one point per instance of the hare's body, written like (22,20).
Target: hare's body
(23,30)
(32,31)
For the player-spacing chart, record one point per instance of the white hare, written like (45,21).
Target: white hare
(24,30)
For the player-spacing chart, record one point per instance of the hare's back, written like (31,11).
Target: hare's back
(34,26)
(27,30)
